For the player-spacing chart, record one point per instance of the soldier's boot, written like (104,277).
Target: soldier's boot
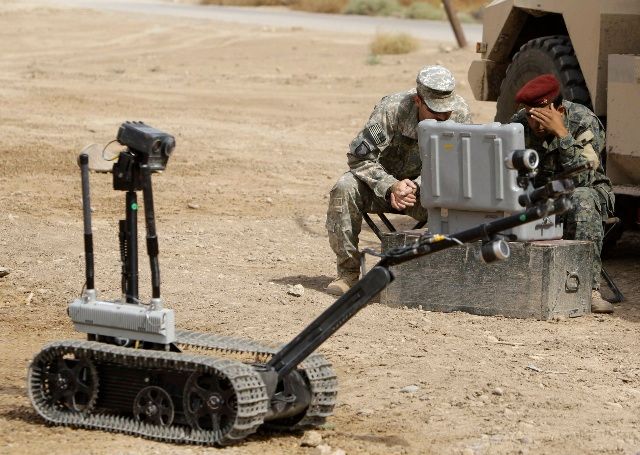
(342,284)
(600,305)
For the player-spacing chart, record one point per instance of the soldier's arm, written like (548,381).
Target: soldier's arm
(518,117)
(462,113)
(581,147)
(546,168)
(365,151)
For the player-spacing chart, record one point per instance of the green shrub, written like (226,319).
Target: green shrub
(424,11)
(467,17)
(468,10)
(319,6)
(244,2)
(373,59)
(372,7)
(399,43)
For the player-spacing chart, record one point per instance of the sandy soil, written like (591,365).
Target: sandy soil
(262,117)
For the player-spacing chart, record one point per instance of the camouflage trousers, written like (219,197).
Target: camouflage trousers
(348,199)
(584,222)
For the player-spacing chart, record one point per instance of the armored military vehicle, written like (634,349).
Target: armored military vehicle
(592,47)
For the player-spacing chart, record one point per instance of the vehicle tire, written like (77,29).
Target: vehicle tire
(548,54)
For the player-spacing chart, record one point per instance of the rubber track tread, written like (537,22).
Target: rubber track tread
(252,398)
(322,379)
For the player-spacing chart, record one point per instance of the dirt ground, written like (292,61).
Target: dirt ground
(262,118)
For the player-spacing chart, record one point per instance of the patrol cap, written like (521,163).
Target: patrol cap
(539,91)
(436,86)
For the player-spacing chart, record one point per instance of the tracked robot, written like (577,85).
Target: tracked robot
(137,374)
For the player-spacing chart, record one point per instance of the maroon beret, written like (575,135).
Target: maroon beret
(539,91)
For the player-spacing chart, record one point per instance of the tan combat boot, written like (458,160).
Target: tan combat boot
(342,284)
(598,304)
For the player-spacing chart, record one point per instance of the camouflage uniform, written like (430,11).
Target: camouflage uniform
(383,153)
(593,198)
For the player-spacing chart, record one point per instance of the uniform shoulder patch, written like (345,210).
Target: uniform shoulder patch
(377,134)
(585,137)
(363,149)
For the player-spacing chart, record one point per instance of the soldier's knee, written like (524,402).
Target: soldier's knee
(586,206)
(585,199)
(344,196)
(347,185)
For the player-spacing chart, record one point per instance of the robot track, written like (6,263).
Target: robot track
(317,371)
(160,395)
(179,397)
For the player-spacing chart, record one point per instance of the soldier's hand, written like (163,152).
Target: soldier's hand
(551,119)
(403,194)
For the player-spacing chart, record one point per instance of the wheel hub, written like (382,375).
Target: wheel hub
(214,402)
(72,382)
(62,381)
(151,410)
(209,402)
(154,405)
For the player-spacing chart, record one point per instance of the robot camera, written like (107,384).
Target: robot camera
(522,160)
(148,145)
(496,250)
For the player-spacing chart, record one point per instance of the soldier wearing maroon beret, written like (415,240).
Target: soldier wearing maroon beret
(565,135)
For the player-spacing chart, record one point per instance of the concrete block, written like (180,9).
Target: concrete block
(541,280)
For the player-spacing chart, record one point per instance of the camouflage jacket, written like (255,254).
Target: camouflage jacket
(386,150)
(584,143)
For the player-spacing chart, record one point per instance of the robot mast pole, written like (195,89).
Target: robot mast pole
(83,161)
(131,266)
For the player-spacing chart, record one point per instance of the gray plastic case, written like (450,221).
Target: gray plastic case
(465,181)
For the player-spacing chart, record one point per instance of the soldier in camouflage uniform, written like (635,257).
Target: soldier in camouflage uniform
(565,135)
(385,165)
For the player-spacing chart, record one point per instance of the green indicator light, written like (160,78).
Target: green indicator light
(523,217)
(134,206)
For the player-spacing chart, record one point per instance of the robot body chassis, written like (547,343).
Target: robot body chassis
(136,374)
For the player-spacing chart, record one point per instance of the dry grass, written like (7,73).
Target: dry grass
(338,6)
(424,10)
(247,2)
(373,7)
(393,43)
(320,6)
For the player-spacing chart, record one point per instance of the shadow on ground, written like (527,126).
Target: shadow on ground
(21,413)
